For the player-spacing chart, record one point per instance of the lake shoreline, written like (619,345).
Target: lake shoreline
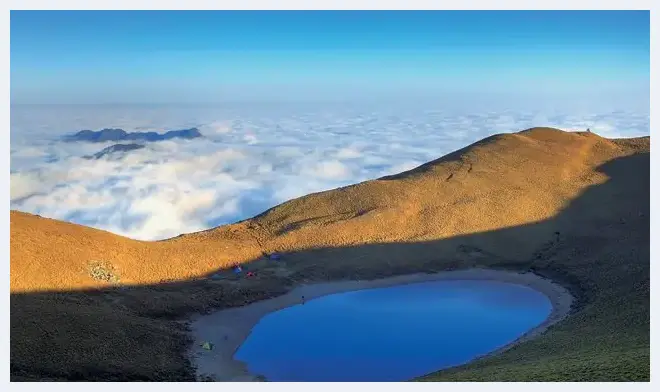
(227,329)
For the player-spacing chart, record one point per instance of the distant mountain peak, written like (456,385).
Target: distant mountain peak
(117,134)
(115,148)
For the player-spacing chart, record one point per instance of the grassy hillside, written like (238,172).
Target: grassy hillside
(87,304)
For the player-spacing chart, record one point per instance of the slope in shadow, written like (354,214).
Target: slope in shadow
(599,250)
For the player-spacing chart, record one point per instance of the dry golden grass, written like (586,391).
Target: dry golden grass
(507,201)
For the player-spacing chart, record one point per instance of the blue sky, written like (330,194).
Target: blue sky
(219,56)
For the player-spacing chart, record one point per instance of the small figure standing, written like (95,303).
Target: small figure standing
(303,299)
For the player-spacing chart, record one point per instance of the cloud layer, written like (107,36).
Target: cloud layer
(251,157)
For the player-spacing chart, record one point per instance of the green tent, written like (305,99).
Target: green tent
(207,346)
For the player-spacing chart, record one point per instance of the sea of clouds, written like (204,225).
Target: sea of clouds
(252,156)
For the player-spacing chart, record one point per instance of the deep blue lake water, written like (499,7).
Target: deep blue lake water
(391,334)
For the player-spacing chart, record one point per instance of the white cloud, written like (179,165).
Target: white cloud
(251,138)
(252,157)
(348,153)
(216,127)
(23,185)
(330,170)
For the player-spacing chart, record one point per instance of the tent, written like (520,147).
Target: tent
(207,346)
(238,269)
(274,256)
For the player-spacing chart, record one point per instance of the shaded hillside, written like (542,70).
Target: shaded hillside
(570,206)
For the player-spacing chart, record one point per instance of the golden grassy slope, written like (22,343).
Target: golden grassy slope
(502,181)
(47,254)
(464,209)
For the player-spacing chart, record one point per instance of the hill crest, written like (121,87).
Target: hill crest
(501,181)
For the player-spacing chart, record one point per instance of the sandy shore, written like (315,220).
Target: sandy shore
(227,329)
